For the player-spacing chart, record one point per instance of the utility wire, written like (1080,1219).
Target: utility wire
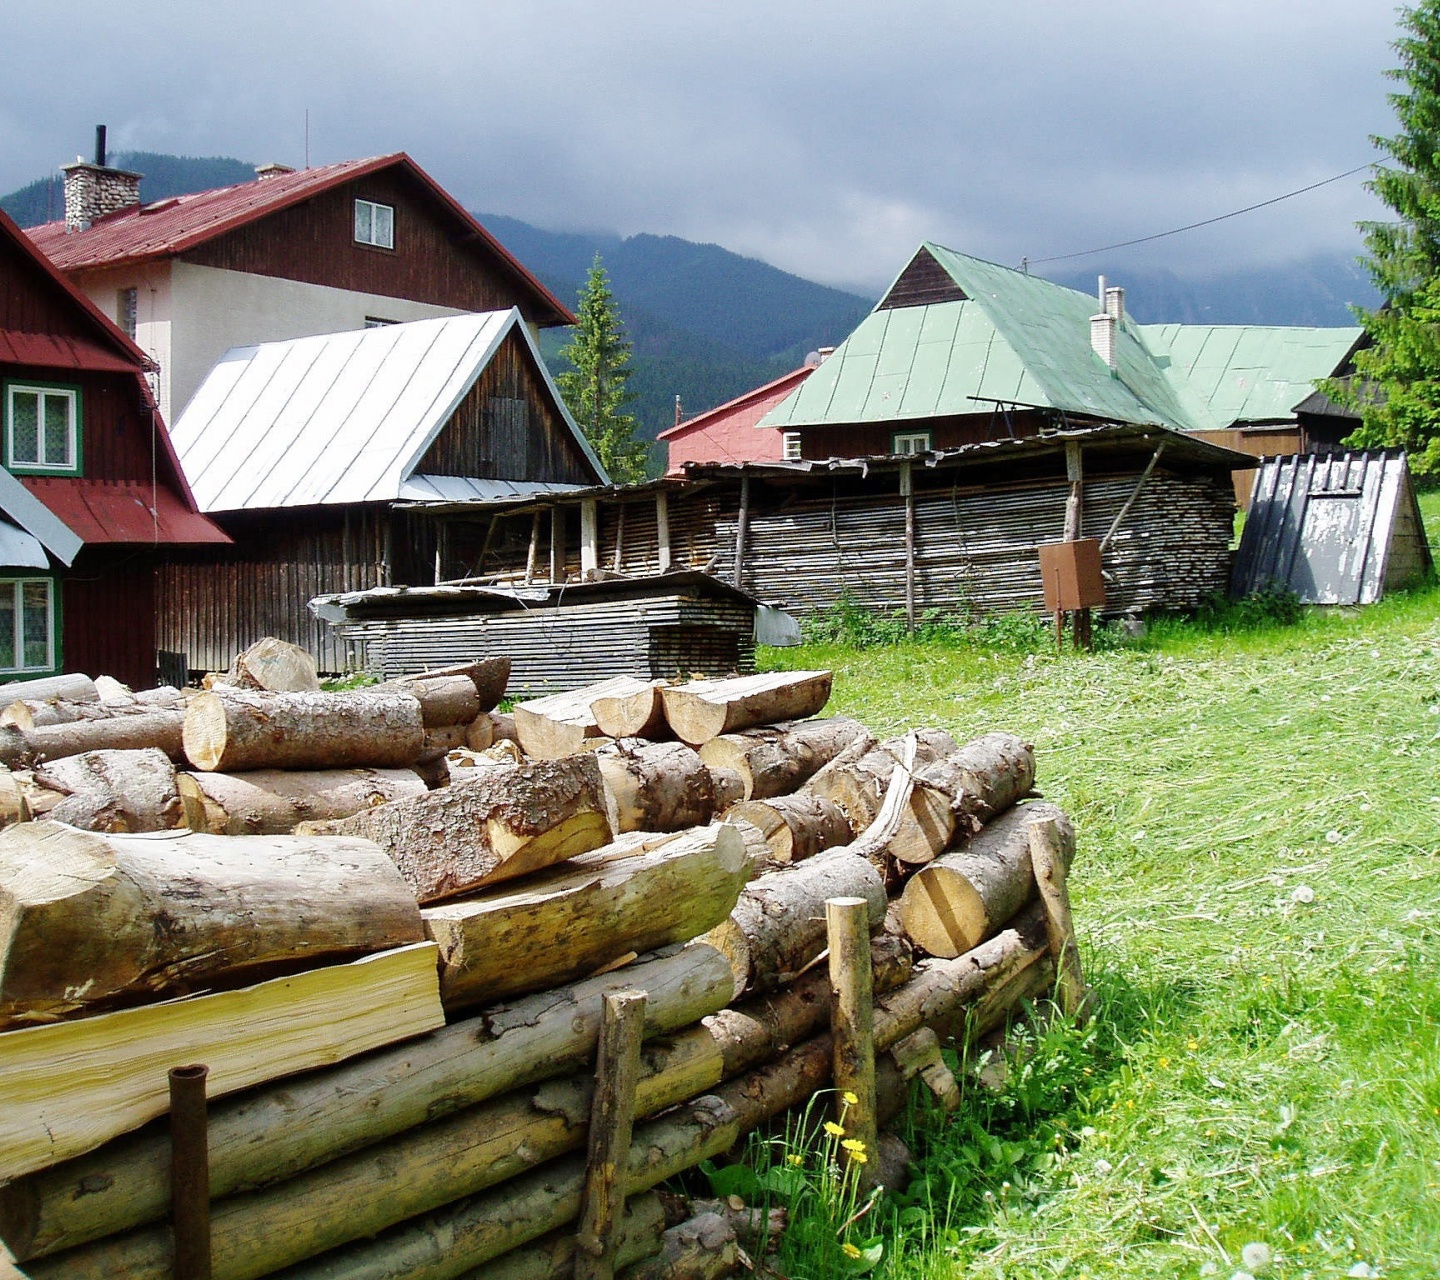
(1160,235)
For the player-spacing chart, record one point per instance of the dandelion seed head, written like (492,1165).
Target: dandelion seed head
(1302,893)
(1255,1255)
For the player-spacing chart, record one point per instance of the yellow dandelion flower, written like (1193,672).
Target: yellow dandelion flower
(859,1157)
(849,1250)
(1164,1062)
(849,1099)
(1192,1045)
(833,1129)
(853,1144)
(794,1159)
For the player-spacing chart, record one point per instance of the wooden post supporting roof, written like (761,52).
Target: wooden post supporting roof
(907,491)
(557,543)
(589,540)
(742,525)
(662,529)
(532,555)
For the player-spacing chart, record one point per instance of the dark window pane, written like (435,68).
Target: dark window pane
(24,427)
(57,430)
(36,620)
(8,592)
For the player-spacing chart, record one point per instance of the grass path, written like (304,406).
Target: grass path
(1258,893)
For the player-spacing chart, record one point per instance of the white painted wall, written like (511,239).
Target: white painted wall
(151,283)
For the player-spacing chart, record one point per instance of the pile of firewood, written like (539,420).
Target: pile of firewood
(399,919)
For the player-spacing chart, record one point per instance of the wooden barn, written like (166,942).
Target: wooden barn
(313,455)
(82,436)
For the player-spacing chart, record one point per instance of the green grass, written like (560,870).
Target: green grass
(1257,890)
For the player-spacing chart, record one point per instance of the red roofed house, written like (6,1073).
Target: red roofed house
(81,434)
(292,254)
(727,433)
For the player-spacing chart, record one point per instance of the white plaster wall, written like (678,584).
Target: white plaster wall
(153,300)
(213,310)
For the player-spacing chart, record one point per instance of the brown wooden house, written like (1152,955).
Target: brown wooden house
(82,435)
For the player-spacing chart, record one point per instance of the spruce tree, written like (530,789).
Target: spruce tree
(595,386)
(1397,389)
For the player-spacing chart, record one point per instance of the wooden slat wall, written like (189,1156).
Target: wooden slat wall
(108,615)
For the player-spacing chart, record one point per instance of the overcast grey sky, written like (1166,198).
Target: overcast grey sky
(828,139)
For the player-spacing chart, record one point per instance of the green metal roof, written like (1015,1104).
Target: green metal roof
(1250,373)
(1025,341)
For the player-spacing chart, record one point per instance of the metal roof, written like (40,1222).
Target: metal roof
(108,511)
(167,228)
(338,418)
(470,489)
(1251,373)
(29,514)
(19,550)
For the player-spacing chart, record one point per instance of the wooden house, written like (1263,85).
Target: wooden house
(293,253)
(108,500)
(321,456)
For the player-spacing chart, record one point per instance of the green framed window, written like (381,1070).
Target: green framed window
(42,428)
(27,625)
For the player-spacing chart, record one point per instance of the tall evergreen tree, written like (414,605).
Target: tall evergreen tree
(1398,387)
(595,387)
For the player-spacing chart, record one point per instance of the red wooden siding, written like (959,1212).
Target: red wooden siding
(108,616)
(32,303)
(945,433)
(115,428)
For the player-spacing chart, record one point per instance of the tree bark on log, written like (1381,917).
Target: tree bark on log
(795,827)
(444,700)
(637,714)
(563,724)
(506,823)
(237,730)
(89,920)
(704,709)
(438,743)
(277,1132)
(274,801)
(30,715)
(958,900)
(115,791)
(778,924)
(489,676)
(655,786)
(857,780)
(957,795)
(635,895)
(552,1255)
(704,1247)
(779,759)
(114,733)
(14,807)
(68,688)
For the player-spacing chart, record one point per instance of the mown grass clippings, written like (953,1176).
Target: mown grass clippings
(1257,890)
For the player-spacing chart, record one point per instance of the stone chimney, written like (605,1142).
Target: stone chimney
(272,170)
(92,190)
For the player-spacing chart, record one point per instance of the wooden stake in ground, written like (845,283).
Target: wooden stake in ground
(1051,849)
(237,730)
(847,930)
(612,1118)
(705,709)
(958,900)
(89,919)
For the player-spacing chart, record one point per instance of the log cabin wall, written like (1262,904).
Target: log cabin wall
(212,603)
(315,242)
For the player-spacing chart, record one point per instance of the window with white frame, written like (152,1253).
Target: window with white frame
(374,224)
(42,428)
(790,446)
(27,625)
(910,442)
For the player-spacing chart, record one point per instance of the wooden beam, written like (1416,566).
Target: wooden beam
(1134,493)
(662,529)
(557,543)
(852,1025)
(532,556)
(1075,474)
(589,540)
(907,491)
(619,537)
(742,524)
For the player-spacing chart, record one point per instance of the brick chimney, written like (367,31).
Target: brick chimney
(94,189)
(1102,337)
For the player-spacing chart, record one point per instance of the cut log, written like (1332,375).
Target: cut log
(857,779)
(563,724)
(276,1133)
(957,795)
(640,893)
(276,666)
(637,714)
(70,688)
(15,751)
(164,696)
(275,801)
(778,924)
(488,729)
(488,675)
(235,730)
(29,715)
(728,787)
(90,920)
(655,786)
(777,760)
(438,743)
(14,807)
(160,729)
(444,700)
(796,826)
(704,709)
(111,690)
(960,899)
(506,823)
(65,1089)
(704,1247)
(115,791)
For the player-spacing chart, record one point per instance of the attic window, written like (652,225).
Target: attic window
(791,447)
(374,224)
(910,442)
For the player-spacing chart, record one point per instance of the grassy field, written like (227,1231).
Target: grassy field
(1257,889)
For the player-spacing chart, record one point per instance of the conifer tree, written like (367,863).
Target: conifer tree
(595,386)
(1398,387)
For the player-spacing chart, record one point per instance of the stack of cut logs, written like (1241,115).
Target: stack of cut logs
(397,919)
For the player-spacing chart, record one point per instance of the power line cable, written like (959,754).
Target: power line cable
(1027,263)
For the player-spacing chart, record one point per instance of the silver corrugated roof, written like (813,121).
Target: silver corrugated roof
(471,489)
(33,529)
(342,417)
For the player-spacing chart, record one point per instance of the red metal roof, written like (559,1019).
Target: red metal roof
(55,351)
(167,228)
(105,511)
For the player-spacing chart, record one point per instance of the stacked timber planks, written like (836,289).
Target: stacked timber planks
(522,892)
